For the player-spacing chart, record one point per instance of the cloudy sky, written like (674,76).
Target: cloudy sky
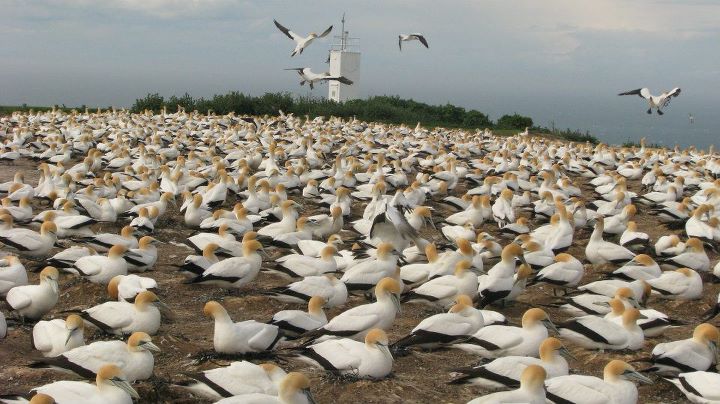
(559,61)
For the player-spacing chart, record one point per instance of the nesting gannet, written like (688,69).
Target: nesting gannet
(310,77)
(144,257)
(144,222)
(243,337)
(365,275)
(531,390)
(238,378)
(681,284)
(369,359)
(614,387)
(111,387)
(357,321)
(299,266)
(566,272)
(67,258)
(121,318)
(595,302)
(134,358)
(495,341)
(312,248)
(326,286)
(195,265)
(412,37)
(33,301)
(415,274)
(642,267)
(293,389)
(286,224)
(104,241)
(537,255)
(696,353)
(296,322)
(54,337)
(694,257)
(100,269)
(300,42)
(442,291)
(599,251)
(503,289)
(655,101)
(234,272)
(598,333)
(127,287)
(698,387)
(505,372)
(459,323)
(12,273)
(29,243)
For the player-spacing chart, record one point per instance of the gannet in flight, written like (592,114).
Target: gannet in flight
(658,102)
(310,77)
(300,42)
(412,37)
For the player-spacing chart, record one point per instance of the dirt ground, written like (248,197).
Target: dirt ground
(419,377)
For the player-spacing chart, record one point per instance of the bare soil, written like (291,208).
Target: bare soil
(421,376)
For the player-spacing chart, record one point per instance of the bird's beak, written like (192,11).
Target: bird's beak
(223,251)
(70,334)
(550,326)
(566,353)
(125,386)
(713,348)
(384,348)
(54,285)
(164,308)
(309,396)
(635,304)
(150,346)
(396,302)
(631,374)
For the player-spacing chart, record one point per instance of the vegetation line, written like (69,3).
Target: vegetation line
(385,109)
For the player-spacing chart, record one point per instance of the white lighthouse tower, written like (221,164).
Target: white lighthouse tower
(344,61)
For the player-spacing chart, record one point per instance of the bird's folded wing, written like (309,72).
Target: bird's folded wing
(114,314)
(343,354)
(502,337)
(583,389)
(18,299)
(42,335)
(95,355)
(352,321)
(672,283)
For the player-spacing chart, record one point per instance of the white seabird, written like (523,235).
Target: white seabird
(655,101)
(412,37)
(300,42)
(310,77)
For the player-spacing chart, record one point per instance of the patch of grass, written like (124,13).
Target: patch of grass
(630,143)
(572,135)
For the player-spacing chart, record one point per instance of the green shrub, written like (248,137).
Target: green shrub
(514,121)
